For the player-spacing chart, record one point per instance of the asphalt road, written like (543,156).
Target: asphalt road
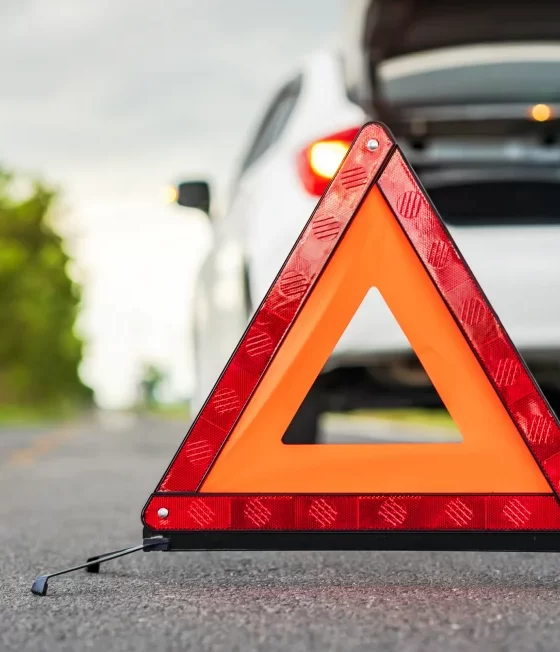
(76,491)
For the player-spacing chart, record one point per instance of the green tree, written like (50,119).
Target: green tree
(39,303)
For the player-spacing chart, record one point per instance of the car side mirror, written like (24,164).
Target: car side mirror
(194,194)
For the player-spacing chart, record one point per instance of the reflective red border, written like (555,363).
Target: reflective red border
(310,513)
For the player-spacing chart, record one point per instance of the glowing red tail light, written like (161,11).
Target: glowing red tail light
(318,162)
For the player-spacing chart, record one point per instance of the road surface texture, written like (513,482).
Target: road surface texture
(75,491)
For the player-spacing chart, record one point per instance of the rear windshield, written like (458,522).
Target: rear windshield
(477,74)
(498,203)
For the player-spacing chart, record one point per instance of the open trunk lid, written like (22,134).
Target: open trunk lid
(399,27)
(378,32)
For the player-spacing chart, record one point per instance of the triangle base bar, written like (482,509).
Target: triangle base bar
(540,541)
(352,513)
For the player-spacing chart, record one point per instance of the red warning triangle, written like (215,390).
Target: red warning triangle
(233,480)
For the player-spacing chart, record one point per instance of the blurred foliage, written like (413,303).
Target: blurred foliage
(152,379)
(39,350)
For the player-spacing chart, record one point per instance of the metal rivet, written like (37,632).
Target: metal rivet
(163,512)
(372,144)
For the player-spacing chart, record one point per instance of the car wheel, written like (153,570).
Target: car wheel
(304,428)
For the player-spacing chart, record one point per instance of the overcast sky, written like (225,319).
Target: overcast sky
(111,100)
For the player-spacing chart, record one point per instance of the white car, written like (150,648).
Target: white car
(471,92)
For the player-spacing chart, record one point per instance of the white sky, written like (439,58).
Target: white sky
(112,99)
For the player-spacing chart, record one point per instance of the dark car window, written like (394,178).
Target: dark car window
(274,121)
(498,203)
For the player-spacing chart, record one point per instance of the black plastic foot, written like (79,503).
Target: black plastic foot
(40,585)
(95,567)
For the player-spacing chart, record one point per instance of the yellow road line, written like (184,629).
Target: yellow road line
(40,446)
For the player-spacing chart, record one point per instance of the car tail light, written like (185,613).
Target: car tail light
(318,162)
